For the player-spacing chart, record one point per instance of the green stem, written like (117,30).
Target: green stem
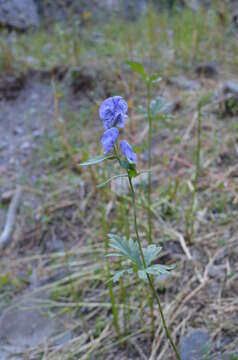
(191,211)
(135,221)
(198,152)
(163,318)
(149,165)
(149,220)
(148,276)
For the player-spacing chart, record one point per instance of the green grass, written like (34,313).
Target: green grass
(182,37)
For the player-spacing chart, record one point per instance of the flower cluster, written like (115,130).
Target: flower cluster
(112,113)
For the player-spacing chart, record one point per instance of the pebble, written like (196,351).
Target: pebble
(194,345)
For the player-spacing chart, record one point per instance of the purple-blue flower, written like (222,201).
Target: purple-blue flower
(127,151)
(113,112)
(109,138)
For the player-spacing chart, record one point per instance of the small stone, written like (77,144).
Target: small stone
(18,15)
(26,145)
(64,338)
(7,196)
(25,328)
(230,87)
(208,70)
(194,345)
(218,272)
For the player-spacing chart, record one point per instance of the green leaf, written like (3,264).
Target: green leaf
(158,269)
(151,253)
(114,254)
(133,172)
(97,160)
(142,110)
(130,167)
(110,179)
(4,280)
(130,250)
(127,248)
(116,277)
(155,270)
(157,106)
(155,78)
(138,68)
(142,275)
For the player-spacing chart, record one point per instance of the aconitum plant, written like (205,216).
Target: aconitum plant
(112,113)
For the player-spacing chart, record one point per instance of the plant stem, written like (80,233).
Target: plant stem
(149,220)
(163,318)
(191,212)
(135,221)
(149,165)
(198,152)
(148,276)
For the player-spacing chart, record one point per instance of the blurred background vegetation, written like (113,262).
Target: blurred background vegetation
(58,61)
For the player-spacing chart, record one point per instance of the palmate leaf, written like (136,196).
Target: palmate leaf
(97,159)
(155,270)
(158,269)
(130,250)
(157,106)
(127,248)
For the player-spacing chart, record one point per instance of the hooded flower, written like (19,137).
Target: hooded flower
(113,112)
(127,151)
(109,138)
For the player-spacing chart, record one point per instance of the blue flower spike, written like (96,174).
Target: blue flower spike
(127,151)
(113,111)
(109,138)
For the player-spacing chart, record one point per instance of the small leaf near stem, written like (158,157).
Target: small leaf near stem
(97,159)
(139,69)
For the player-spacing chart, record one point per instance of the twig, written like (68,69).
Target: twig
(11,217)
